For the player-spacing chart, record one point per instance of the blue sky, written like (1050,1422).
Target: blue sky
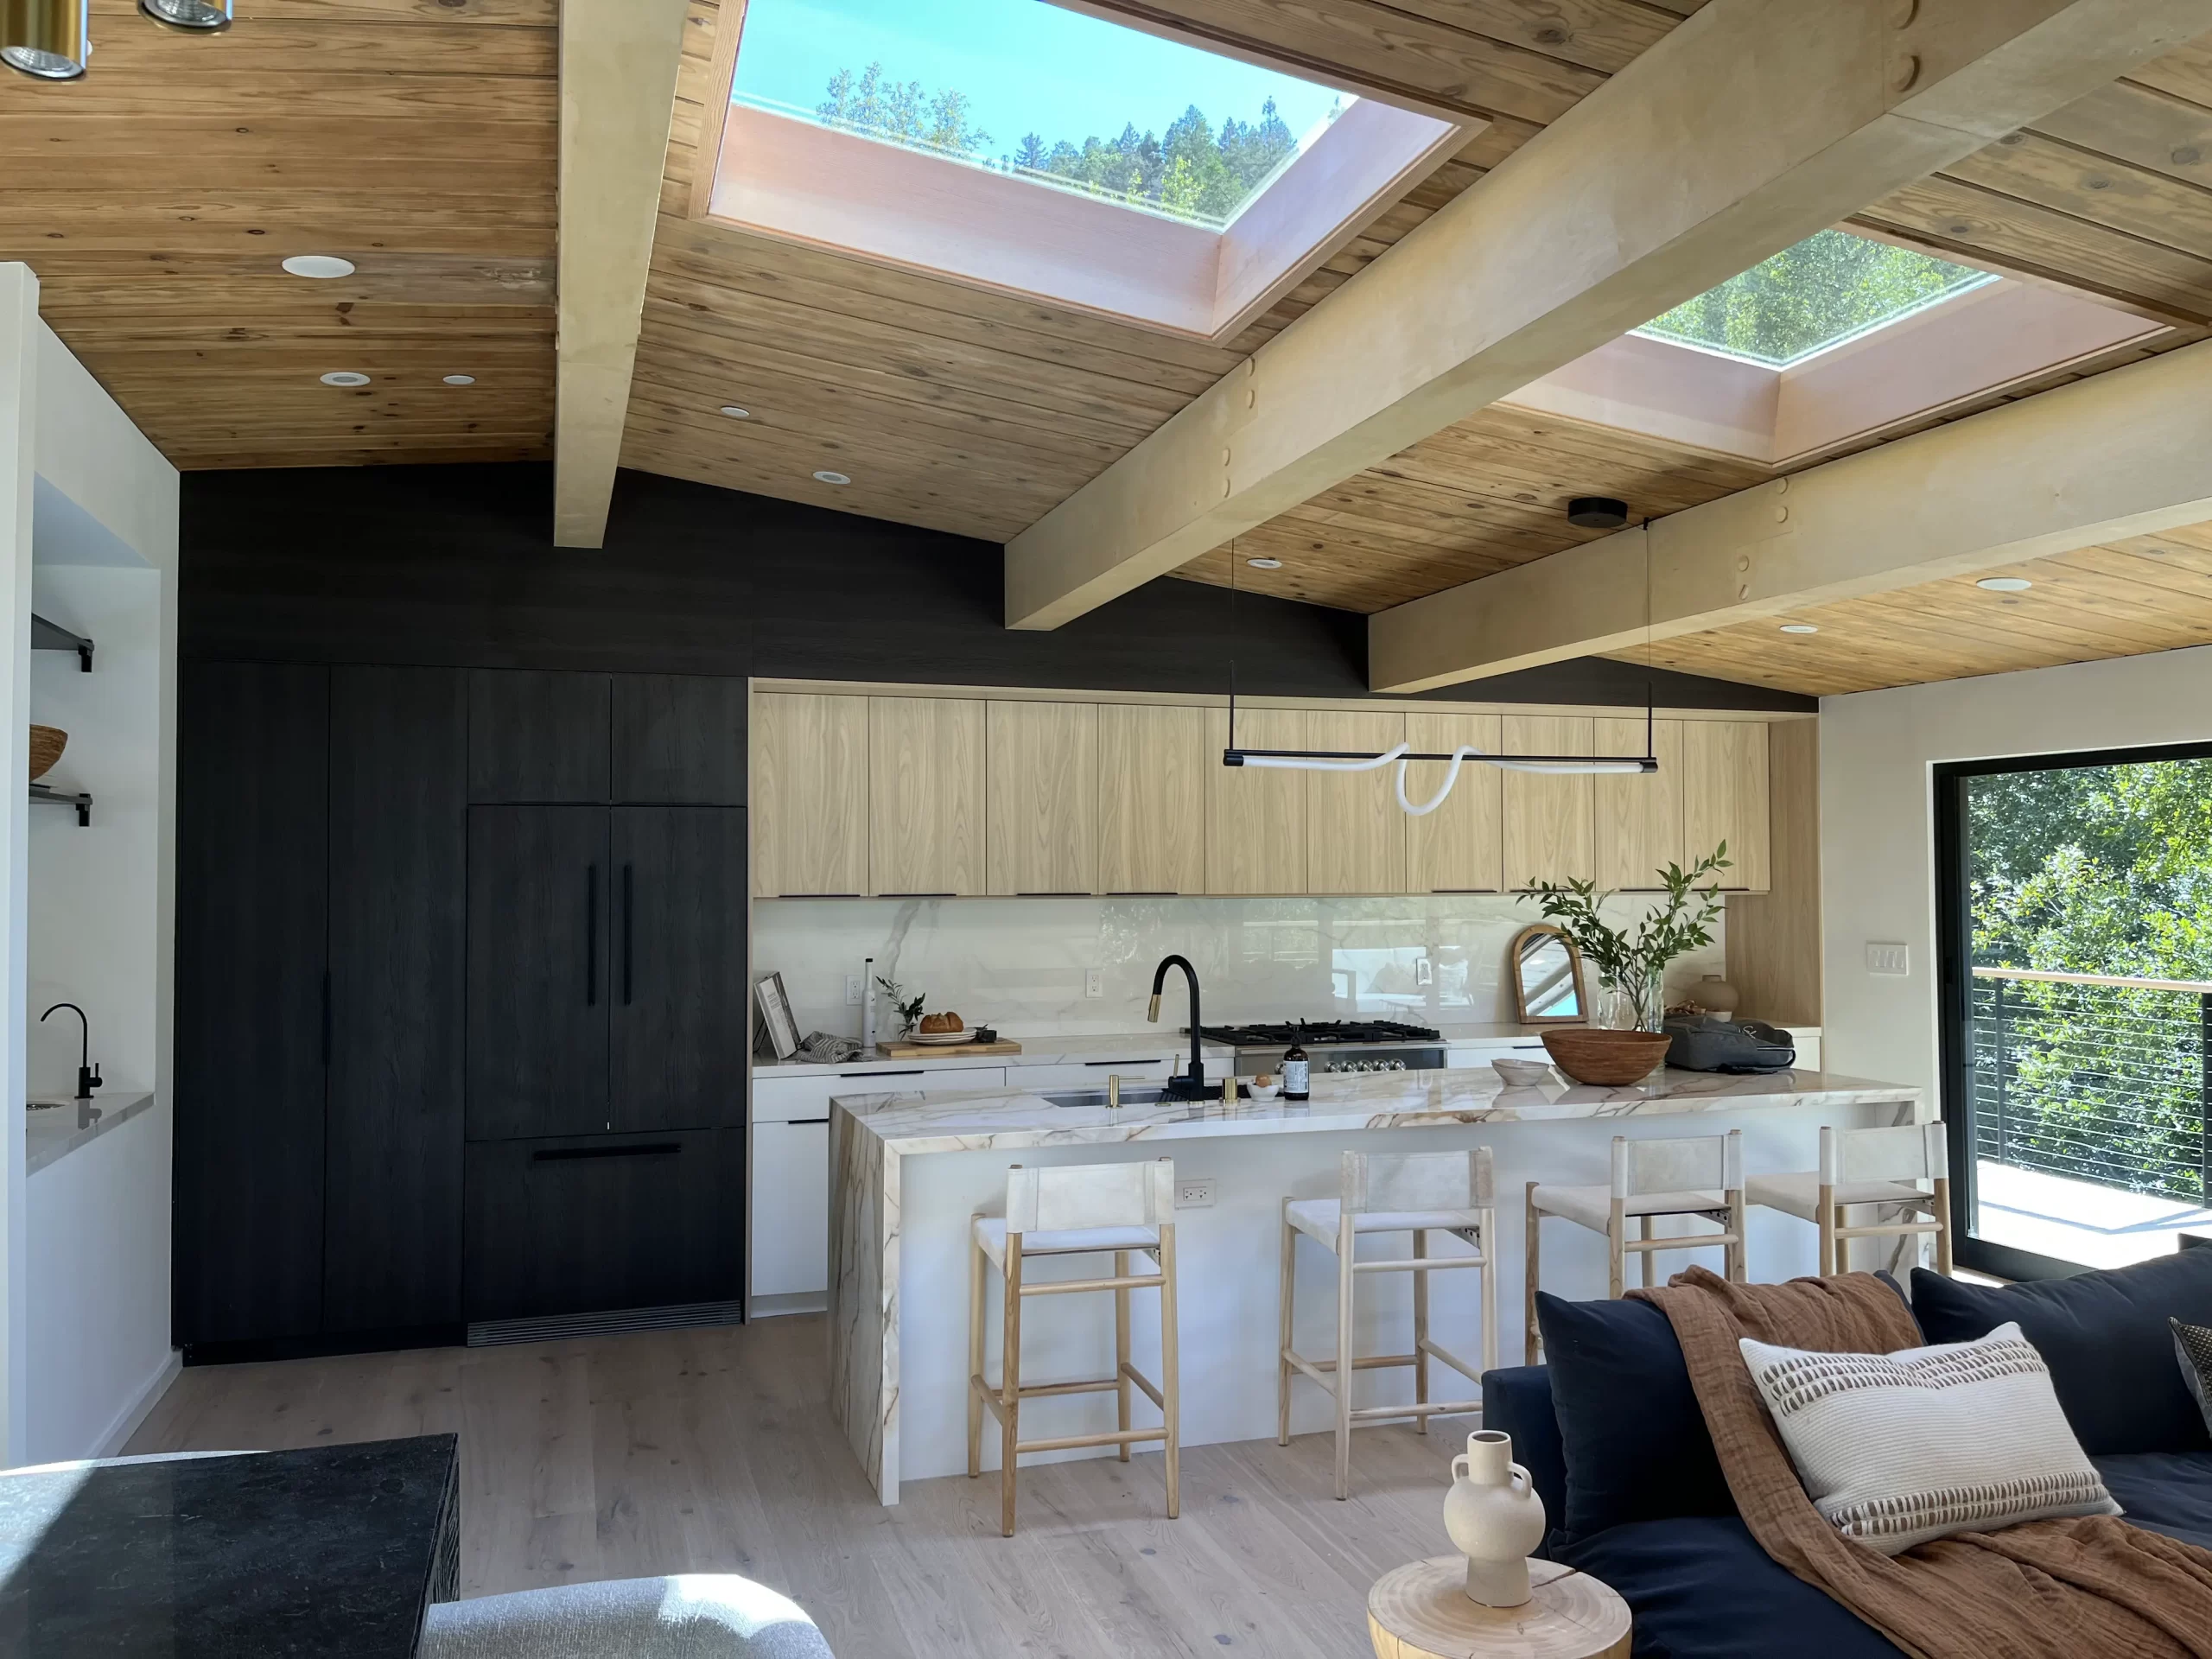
(1027,66)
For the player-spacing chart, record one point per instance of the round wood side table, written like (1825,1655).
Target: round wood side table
(1421,1611)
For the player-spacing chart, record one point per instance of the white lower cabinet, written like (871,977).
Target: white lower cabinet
(1146,1068)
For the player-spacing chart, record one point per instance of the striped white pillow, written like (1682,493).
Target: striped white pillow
(1895,1449)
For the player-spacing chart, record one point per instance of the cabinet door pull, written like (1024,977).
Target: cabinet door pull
(629,928)
(1149,1060)
(573,1154)
(795,1123)
(916,1072)
(325,1019)
(591,936)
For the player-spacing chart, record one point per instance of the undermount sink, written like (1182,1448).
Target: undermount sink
(1138,1095)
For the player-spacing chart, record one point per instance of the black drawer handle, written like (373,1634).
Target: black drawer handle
(1149,1060)
(794,1122)
(1144,892)
(591,936)
(918,895)
(629,929)
(817,895)
(570,1154)
(916,1072)
(1043,893)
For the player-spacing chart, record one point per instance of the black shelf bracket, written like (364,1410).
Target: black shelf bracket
(52,635)
(54,796)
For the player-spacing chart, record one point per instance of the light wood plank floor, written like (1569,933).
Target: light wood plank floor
(712,1450)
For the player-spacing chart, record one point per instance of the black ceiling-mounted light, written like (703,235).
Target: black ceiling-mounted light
(188,14)
(1597,512)
(51,40)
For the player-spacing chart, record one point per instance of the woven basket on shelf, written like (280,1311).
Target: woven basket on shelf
(46,744)
(1609,1058)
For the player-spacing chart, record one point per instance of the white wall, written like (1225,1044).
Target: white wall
(1018,964)
(1877,752)
(20,330)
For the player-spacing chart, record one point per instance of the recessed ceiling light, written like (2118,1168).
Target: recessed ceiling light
(831,478)
(2005,584)
(1265,564)
(321,266)
(188,14)
(735,413)
(1799,628)
(345,377)
(461,379)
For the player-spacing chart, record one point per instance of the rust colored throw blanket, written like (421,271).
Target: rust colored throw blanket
(2090,1587)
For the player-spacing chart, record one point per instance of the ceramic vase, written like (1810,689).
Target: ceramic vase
(1494,1518)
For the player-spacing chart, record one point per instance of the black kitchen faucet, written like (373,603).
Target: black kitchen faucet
(88,1075)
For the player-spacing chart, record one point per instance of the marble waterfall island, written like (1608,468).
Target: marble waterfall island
(908,1170)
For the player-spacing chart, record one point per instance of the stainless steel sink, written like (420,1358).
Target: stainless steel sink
(1132,1095)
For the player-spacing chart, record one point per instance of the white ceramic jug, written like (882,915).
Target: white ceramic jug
(1494,1518)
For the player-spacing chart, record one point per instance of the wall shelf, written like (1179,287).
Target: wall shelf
(82,802)
(52,635)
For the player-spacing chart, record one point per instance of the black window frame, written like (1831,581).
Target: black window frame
(1954,981)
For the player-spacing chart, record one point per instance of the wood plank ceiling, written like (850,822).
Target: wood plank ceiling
(156,198)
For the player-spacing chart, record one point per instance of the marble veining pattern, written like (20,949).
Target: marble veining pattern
(874,1133)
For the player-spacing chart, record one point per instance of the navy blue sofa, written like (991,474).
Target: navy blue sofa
(1611,1434)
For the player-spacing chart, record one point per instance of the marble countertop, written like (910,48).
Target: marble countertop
(911,1121)
(56,1128)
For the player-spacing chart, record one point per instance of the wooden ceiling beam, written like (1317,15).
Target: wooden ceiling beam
(1747,128)
(2128,453)
(618,88)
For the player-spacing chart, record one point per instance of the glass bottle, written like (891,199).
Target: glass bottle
(1296,1074)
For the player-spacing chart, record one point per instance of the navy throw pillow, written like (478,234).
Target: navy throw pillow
(2105,1336)
(1635,1441)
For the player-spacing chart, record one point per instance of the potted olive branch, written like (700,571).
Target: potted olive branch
(1632,965)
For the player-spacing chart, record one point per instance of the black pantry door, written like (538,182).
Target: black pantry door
(538,882)
(678,1012)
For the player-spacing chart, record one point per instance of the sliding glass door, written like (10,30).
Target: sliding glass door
(2074,896)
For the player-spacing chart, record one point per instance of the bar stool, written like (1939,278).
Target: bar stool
(1883,1166)
(1443,1193)
(1079,1210)
(1699,1175)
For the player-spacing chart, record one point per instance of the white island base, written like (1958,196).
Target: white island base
(907,1171)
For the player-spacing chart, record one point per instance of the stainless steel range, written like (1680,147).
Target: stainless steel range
(1333,1045)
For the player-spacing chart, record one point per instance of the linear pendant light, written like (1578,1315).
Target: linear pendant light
(50,39)
(1571,765)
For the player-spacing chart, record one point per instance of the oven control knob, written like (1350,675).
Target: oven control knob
(1397,1065)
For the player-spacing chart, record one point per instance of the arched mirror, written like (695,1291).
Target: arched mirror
(1547,978)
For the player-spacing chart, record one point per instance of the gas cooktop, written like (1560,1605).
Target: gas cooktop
(1319,1033)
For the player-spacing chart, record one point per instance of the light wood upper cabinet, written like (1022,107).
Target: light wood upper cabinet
(1255,816)
(1549,818)
(1725,797)
(1457,847)
(810,817)
(1355,834)
(1639,818)
(926,795)
(1152,798)
(1042,814)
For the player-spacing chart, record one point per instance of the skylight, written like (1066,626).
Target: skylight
(1031,90)
(1830,289)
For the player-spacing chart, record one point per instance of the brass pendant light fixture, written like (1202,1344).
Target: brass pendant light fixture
(188,14)
(50,39)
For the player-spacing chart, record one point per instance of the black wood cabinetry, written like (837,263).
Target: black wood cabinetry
(677,1059)
(568,1225)
(398,794)
(251,1008)
(538,737)
(680,737)
(537,971)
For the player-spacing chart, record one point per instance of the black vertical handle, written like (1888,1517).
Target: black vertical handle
(325,1019)
(629,913)
(591,936)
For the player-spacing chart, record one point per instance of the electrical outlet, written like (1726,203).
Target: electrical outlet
(855,989)
(1194,1193)
(1888,958)
(1094,982)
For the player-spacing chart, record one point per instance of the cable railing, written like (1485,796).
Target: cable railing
(2092,1077)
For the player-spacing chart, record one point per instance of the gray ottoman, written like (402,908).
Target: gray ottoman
(698,1616)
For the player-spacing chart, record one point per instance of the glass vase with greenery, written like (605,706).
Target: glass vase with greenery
(1631,965)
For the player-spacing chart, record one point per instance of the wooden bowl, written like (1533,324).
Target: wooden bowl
(46,744)
(1608,1059)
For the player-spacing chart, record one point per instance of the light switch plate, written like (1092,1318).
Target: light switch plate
(1094,982)
(1194,1193)
(1889,957)
(854,987)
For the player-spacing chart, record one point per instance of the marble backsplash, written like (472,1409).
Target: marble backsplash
(1021,965)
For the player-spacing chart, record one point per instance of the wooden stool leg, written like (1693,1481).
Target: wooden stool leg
(1616,1236)
(1487,1287)
(1943,1225)
(1643,1231)
(1529,1342)
(1738,1264)
(978,1266)
(1010,1385)
(1286,1293)
(1170,1369)
(1420,1330)
(1345,1278)
(1826,1214)
(1121,1351)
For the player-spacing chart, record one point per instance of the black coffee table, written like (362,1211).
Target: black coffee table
(335,1551)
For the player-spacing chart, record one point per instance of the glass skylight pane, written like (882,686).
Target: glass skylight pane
(1830,288)
(1027,88)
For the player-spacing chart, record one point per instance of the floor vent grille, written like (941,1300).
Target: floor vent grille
(489,1333)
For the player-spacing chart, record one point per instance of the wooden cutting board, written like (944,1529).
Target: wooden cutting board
(942,1051)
